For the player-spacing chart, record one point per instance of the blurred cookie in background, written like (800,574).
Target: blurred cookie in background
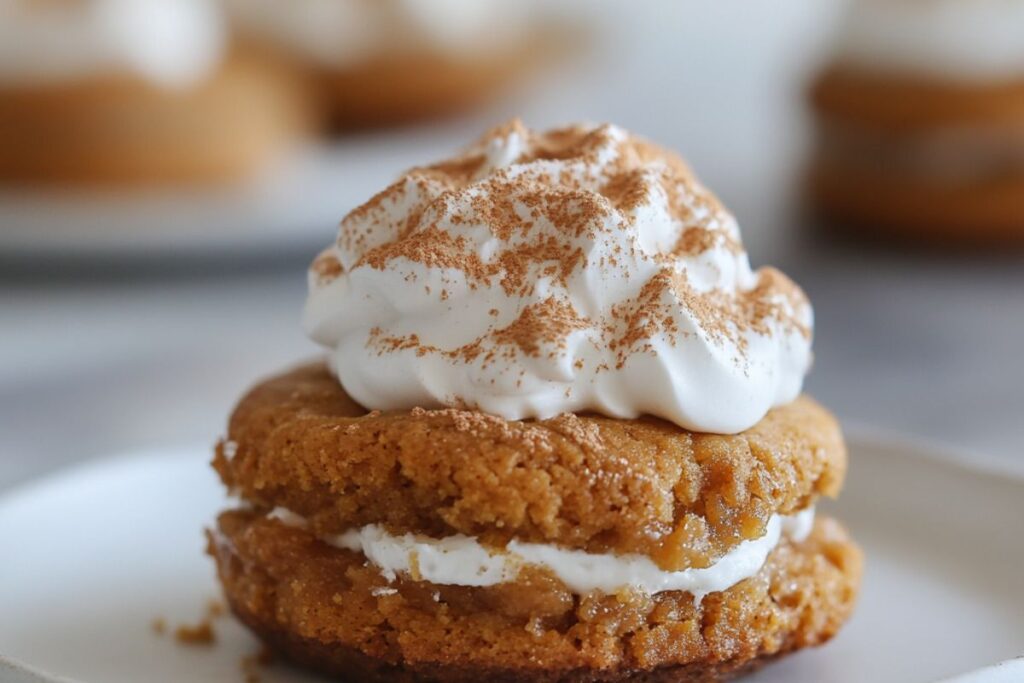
(921,122)
(137,92)
(382,62)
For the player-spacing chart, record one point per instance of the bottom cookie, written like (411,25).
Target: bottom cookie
(327,609)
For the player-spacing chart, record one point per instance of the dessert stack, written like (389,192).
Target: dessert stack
(558,435)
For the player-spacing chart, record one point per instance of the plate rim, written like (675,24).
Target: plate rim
(13,671)
(920,448)
(856,435)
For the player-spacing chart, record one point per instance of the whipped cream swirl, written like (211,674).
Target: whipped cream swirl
(342,32)
(167,42)
(972,39)
(581,269)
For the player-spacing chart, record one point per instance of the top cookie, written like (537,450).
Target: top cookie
(579,481)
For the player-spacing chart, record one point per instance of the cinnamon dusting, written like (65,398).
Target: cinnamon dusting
(547,323)
(564,188)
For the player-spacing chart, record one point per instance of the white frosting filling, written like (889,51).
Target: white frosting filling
(340,32)
(168,42)
(943,38)
(462,561)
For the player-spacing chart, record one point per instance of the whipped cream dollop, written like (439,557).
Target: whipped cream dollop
(167,42)
(463,561)
(342,32)
(582,269)
(942,38)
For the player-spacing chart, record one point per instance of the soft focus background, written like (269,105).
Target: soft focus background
(132,321)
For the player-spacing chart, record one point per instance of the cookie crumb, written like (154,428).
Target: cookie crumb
(200,634)
(203,632)
(251,664)
(158,626)
(215,609)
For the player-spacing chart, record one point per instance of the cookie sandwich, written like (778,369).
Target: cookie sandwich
(559,435)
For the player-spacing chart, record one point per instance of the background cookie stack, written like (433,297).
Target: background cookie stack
(121,93)
(921,121)
(140,92)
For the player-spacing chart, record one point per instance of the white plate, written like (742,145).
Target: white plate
(92,556)
(291,209)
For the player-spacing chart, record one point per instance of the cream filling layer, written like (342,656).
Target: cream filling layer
(462,561)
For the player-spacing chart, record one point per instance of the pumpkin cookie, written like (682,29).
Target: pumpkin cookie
(560,436)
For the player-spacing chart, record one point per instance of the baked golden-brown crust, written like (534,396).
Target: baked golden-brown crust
(119,130)
(604,485)
(327,608)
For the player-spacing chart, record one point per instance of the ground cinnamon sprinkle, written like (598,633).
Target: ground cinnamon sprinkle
(564,189)
(627,191)
(549,322)
(695,241)
(640,320)
(326,267)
